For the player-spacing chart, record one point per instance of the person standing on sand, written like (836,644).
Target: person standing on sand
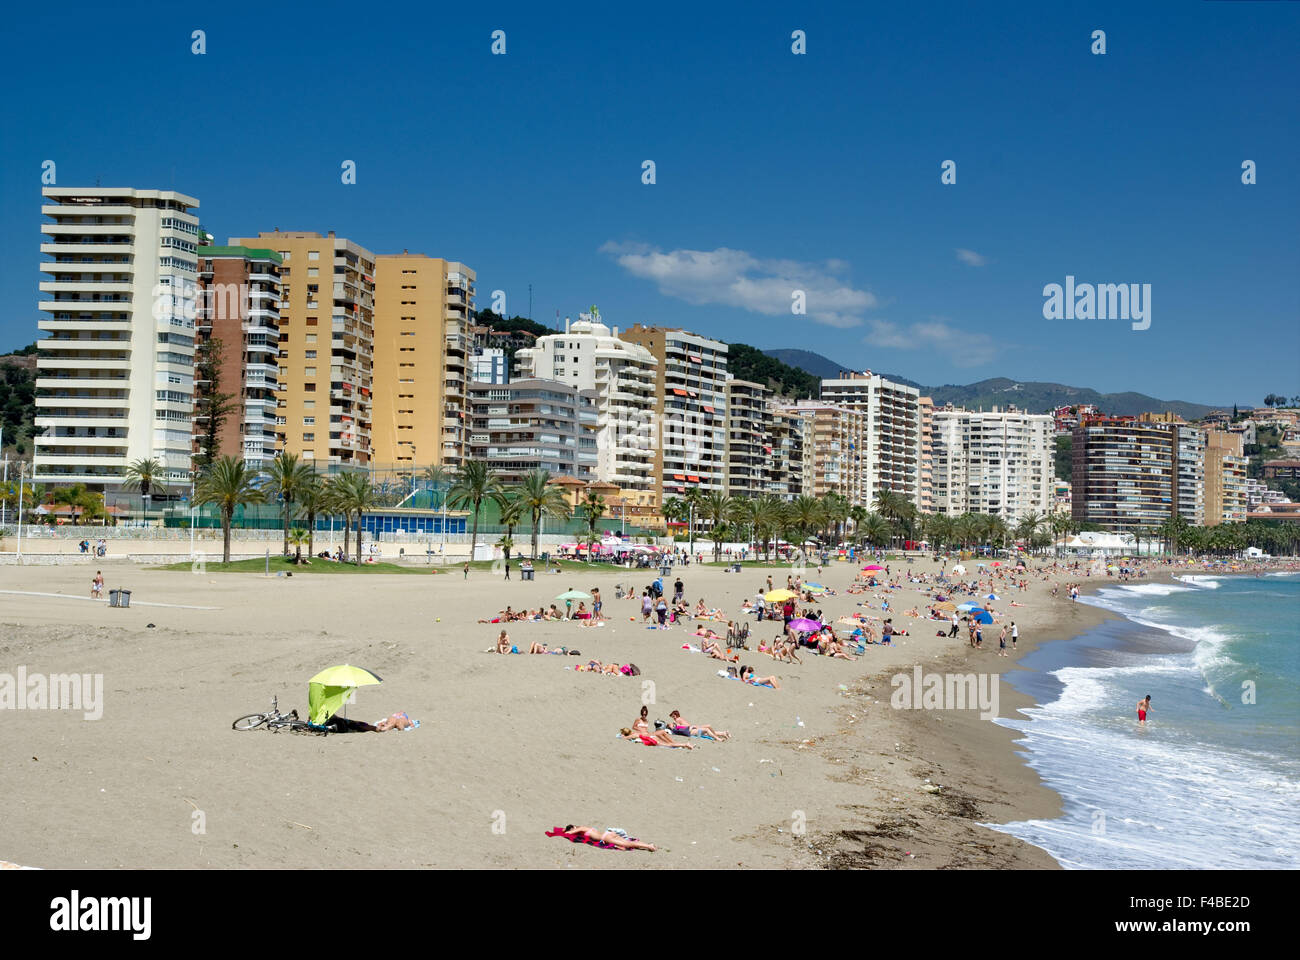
(1143,706)
(955,621)
(1015,634)
(1002,641)
(466,577)
(507,569)
(97,586)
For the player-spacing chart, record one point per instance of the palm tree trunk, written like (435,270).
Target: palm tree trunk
(358,538)
(227,518)
(311,534)
(347,534)
(284,550)
(473,537)
(537,518)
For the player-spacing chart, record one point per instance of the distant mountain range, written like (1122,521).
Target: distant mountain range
(1027,395)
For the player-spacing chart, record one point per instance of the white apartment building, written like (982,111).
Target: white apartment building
(891,457)
(116,373)
(590,356)
(997,462)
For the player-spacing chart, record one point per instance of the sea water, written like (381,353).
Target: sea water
(1213,779)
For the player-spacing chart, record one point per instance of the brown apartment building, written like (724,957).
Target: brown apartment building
(326,334)
(238,314)
(423,307)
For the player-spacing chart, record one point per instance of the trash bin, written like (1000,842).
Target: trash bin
(119,598)
(526,574)
(666,570)
(735,568)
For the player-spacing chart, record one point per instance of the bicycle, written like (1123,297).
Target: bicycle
(274,720)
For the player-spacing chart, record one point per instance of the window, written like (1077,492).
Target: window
(313,254)
(284,255)
(311,355)
(309,404)
(309,388)
(309,371)
(311,321)
(309,421)
(308,437)
(311,338)
(312,271)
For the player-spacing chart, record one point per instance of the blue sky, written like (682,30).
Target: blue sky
(774,171)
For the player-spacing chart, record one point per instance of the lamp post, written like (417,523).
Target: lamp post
(21,466)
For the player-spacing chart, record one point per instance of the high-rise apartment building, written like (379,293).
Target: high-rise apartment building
(237,321)
(1127,474)
(591,356)
(788,448)
(530,424)
(891,432)
(997,462)
(1225,478)
(749,430)
(690,407)
(423,307)
(925,495)
(835,453)
(326,331)
(116,374)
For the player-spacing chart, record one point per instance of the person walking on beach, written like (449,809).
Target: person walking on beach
(1015,634)
(955,621)
(507,569)
(1143,706)
(466,577)
(596,604)
(97,586)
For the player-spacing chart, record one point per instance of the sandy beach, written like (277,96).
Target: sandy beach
(509,746)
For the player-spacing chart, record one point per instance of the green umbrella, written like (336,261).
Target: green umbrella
(329,689)
(573,595)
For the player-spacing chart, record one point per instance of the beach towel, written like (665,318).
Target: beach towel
(581,838)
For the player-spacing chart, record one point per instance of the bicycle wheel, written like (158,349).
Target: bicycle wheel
(249,722)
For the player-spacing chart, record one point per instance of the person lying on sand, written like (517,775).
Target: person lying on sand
(398,721)
(747,674)
(611,838)
(683,728)
(712,648)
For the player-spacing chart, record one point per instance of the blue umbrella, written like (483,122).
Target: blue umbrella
(992,596)
(981,616)
(968,606)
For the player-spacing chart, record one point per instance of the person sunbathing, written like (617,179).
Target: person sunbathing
(836,650)
(398,721)
(537,647)
(712,648)
(747,674)
(610,837)
(684,729)
(651,738)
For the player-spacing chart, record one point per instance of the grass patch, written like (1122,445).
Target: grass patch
(286,565)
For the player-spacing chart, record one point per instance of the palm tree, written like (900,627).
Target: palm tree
(694,499)
(288,479)
(437,478)
(355,495)
(511,511)
(313,501)
(298,537)
(673,509)
(541,498)
(809,514)
(717,508)
(1028,526)
(593,505)
(144,475)
(474,483)
(876,530)
(835,511)
(227,483)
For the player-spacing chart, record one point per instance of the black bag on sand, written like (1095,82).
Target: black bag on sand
(634,670)
(575,653)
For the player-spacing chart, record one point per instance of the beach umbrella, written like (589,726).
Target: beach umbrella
(981,616)
(872,567)
(329,689)
(573,595)
(968,606)
(958,568)
(804,625)
(776,596)
(991,596)
(997,563)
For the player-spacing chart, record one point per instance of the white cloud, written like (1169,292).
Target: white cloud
(736,278)
(971,258)
(958,347)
